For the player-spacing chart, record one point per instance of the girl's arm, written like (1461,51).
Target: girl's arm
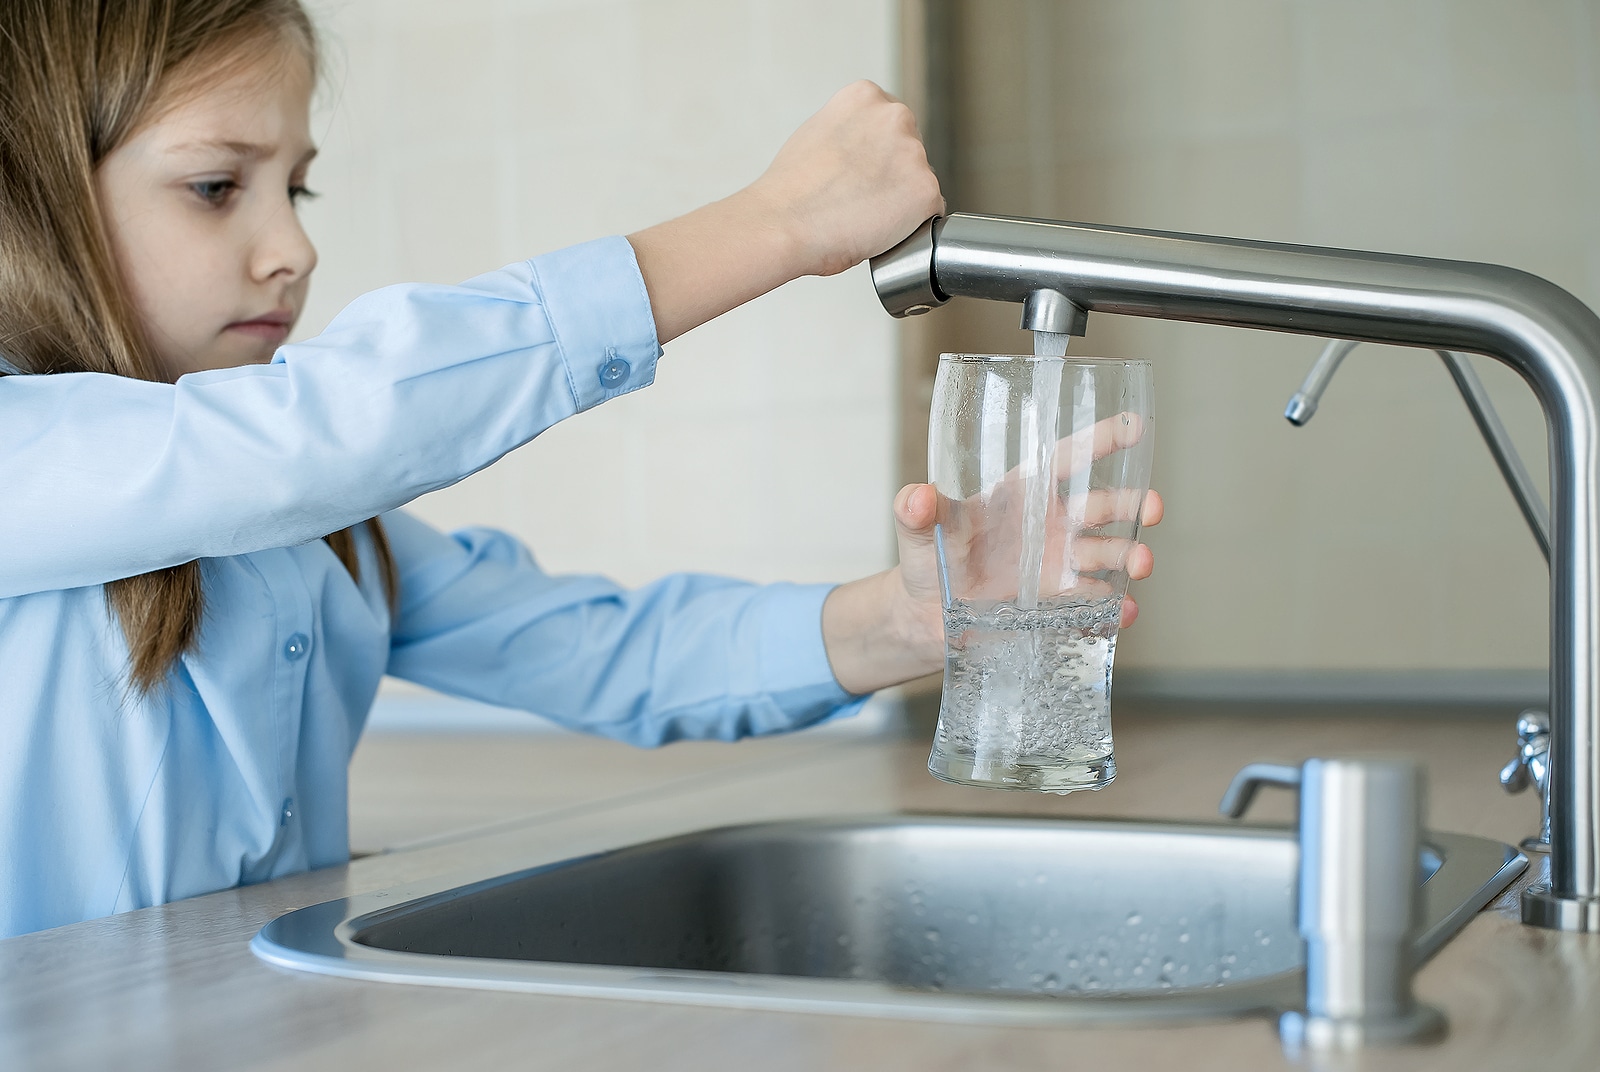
(850,183)
(410,389)
(414,387)
(688,656)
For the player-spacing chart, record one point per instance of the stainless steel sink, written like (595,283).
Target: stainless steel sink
(994,920)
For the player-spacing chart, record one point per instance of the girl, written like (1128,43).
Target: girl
(205,572)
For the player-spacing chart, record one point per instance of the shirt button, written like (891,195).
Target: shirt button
(296,647)
(288,811)
(614,373)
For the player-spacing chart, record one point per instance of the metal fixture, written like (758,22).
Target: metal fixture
(1303,406)
(1532,767)
(974,920)
(1547,335)
(1358,899)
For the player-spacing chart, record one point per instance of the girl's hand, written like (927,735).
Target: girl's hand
(889,628)
(851,182)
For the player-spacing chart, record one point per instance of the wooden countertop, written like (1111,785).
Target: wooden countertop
(176,988)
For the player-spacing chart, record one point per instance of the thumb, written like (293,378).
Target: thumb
(916,509)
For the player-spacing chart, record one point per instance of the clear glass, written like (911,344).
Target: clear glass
(1041,464)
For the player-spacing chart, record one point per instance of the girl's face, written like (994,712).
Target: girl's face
(200,206)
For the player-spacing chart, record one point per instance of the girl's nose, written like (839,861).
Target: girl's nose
(282,248)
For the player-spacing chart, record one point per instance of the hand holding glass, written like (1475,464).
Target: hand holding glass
(1041,465)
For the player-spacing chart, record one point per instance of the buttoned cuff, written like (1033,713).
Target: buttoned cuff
(794,661)
(600,315)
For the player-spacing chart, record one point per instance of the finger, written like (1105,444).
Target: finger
(1106,436)
(1105,506)
(1141,562)
(915,508)
(1154,509)
(1130,612)
(1091,554)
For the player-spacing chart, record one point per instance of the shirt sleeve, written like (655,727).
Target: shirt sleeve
(686,657)
(411,388)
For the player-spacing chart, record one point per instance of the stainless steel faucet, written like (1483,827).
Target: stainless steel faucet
(1060,272)
(1304,402)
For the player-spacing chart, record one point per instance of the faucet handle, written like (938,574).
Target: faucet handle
(1251,777)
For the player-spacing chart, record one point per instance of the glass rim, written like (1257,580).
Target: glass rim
(1075,359)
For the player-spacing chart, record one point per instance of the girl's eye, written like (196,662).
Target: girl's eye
(298,194)
(214,191)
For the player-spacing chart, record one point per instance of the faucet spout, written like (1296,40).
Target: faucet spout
(1547,335)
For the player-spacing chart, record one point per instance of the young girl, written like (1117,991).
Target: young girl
(205,574)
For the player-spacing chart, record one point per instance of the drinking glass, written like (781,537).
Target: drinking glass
(1041,465)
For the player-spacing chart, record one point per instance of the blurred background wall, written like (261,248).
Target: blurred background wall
(460,136)
(1376,550)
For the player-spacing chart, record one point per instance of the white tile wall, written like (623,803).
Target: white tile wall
(458,135)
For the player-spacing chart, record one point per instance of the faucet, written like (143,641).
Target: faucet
(1060,272)
(1303,406)
(1531,764)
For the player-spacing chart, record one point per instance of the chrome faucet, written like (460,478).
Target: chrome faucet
(1061,272)
(1304,402)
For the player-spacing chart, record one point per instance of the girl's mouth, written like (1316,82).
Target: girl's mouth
(270,327)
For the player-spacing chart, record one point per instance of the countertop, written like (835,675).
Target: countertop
(176,988)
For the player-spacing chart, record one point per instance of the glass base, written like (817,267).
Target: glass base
(1036,773)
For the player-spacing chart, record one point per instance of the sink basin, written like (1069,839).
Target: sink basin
(976,919)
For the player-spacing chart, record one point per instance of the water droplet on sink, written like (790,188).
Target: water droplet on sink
(1091,983)
(844,939)
(1041,878)
(1052,981)
(1072,962)
(1164,983)
(1168,965)
(1036,978)
(972,917)
(931,935)
(1184,937)
(1266,939)
(1227,973)
(1134,919)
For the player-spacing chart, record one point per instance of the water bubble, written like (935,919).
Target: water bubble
(1266,939)
(931,935)
(1072,962)
(1229,958)
(1164,983)
(1052,981)
(1168,965)
(1134,919)
(1227,973)
(1092,983)
(1184,937)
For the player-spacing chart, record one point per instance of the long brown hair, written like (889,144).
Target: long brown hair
(76,79)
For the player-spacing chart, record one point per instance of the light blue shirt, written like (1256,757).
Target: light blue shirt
(236,772)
